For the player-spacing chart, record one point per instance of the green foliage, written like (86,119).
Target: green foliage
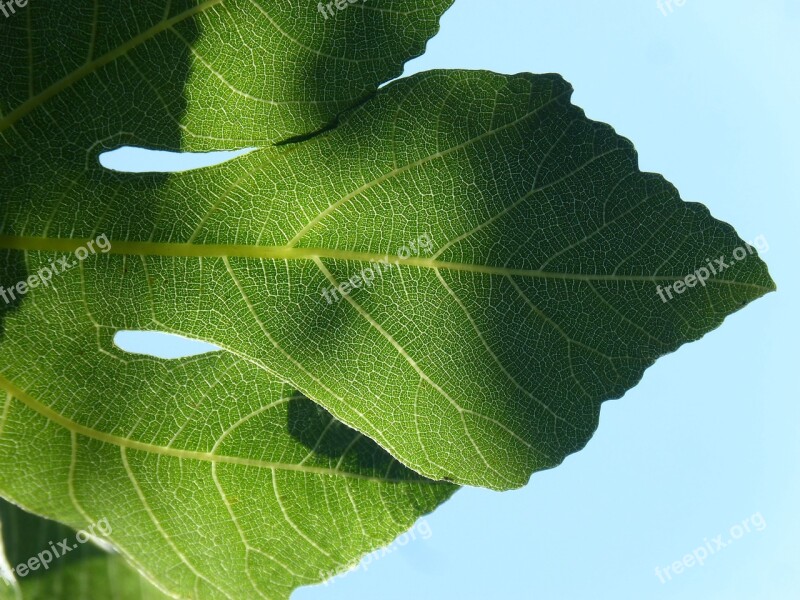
(438,282)
(84,571)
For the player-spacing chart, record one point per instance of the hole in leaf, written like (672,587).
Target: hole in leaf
(161,345)
(129,159)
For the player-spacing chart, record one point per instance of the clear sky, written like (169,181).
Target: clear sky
(709,93)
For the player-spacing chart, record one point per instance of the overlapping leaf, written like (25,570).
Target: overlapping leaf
(84,570)
(232,486)
(193,74)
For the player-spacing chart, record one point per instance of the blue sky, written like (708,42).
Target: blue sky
(709,440)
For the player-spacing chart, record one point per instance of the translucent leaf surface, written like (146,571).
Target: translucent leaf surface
(213,492)
(461,267)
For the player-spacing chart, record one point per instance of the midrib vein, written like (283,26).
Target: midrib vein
(90,67)
(121,442)
(184,250)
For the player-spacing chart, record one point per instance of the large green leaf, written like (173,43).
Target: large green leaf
(194,74)
(197,76)
(83,571)
(527,250)
(230,486)
(479,361)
